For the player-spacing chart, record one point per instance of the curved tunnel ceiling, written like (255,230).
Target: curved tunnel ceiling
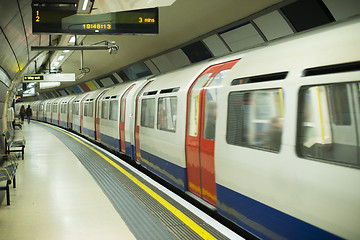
(182,21)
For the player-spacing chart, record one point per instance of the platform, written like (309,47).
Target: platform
(68,188)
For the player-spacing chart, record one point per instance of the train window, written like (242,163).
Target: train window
(167,112)
(255,119)
(328,126)
(148,112)
(105,110)
(76,108)
(62,108)
(194,104)
(90,109)
(114,110)
(85,108)
(48,107)
(54,107)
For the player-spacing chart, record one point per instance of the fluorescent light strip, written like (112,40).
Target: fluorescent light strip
(65,51)
(85,5)
(61,57)
(72,39)
(56,64)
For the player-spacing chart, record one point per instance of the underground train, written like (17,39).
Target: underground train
(269,136)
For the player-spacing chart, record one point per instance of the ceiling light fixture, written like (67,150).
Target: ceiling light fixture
(72,39)
(56,64)
(85,5)
(61,57)
(66,51)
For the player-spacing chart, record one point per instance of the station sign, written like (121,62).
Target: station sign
(59,77)
(50,19)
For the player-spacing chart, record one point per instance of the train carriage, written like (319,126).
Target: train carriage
(42,110)
(55,108)
(66,112)
(108,118)
(287,149)
(89,112)
(77,112)
(49,110)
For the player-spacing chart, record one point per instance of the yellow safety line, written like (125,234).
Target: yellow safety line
(321,118)
(185,219)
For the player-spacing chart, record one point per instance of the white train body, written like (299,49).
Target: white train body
(269,136)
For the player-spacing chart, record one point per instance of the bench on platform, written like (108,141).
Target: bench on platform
(13,144)
(8,166)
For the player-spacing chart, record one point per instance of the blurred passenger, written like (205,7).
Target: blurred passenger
(28,113)
(210,120)
(272,138)
(22,113)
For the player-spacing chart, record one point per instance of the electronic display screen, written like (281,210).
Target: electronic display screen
(64,20)
(33,77)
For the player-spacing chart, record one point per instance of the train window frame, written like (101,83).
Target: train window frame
(282,116)
(173,130)
(299,123)
(143,116)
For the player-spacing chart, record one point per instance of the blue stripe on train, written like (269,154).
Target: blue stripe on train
(110,142)
(89,133)
(63,124)
(172,173)
(128,149)
(263,221)
(76,128)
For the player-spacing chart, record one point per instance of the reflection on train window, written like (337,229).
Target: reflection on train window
(167,112)
(105,109)
(114,110)
(86,109)
(90,109)
(76,108)
(148,112)
(329,123)
(54,107)
(255,119)
(210,107)
(63,108)
(194,104)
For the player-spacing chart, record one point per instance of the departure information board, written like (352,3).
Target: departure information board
(64,20)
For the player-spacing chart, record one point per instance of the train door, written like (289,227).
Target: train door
(200,133)
(97,115)
(81,113)
(137,124)
(59,113)
(122,118)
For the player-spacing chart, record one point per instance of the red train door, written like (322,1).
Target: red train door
(51,114)
(97,115)
(59,109)
(137,124)
(122,118)
(200,131)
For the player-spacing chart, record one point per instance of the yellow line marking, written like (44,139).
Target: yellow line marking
(321,117)
(185,219)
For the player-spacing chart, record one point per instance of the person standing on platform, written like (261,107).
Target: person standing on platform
(22,114)
(28,113)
